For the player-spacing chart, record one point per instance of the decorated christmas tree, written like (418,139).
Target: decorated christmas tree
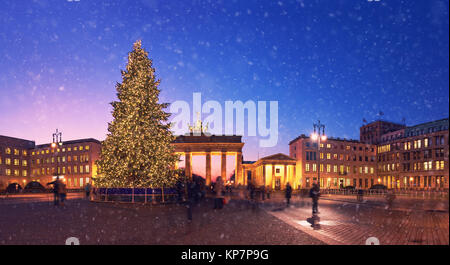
(137,150)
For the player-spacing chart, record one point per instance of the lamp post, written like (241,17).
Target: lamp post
(319,136)
(56,142)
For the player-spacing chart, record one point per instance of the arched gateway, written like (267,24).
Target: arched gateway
(189,145)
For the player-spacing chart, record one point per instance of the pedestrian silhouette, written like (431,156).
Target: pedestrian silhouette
(314,193)
(288,194)
(55,190)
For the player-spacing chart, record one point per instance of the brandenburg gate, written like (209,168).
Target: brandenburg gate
(208,145)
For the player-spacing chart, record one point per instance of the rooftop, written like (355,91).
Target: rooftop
(303,136)
(79,141)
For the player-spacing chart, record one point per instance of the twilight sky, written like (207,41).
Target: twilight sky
(337,61)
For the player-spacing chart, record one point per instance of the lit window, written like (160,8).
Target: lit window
(16,152)
(335,168)
(8,172)
(24,173)
(87,147)
(328,156)
(87,168)
(328,168)
(8,161)
(314,167)
(307,167)
(8,150)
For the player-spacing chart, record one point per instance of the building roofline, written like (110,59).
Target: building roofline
(425,123)
(382,120)
(78,141)
(15,138)
(328,138)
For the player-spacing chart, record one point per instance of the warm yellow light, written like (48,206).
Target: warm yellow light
(53,145)
(323,138)
(314,136)
(379,180)
(411,178)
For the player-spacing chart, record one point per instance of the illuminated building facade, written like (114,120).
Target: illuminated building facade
(273,171)
(343,163)
(404,157)
(14,160)
(21,161)
(415,157)
(73,161)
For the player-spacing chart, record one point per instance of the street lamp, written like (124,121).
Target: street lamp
(57,141)
(319,136)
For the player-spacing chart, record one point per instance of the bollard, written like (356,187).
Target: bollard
(145,196)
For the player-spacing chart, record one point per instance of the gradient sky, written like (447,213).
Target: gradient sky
(337,61)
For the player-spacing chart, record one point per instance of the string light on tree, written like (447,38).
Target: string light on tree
(137,151)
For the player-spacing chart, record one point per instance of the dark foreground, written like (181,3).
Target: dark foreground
(106,223)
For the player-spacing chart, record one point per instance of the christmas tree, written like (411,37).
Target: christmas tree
(137,150)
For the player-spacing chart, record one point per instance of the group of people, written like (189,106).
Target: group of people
(60,191)
(314,194)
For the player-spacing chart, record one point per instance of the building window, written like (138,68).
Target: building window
(307,167)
